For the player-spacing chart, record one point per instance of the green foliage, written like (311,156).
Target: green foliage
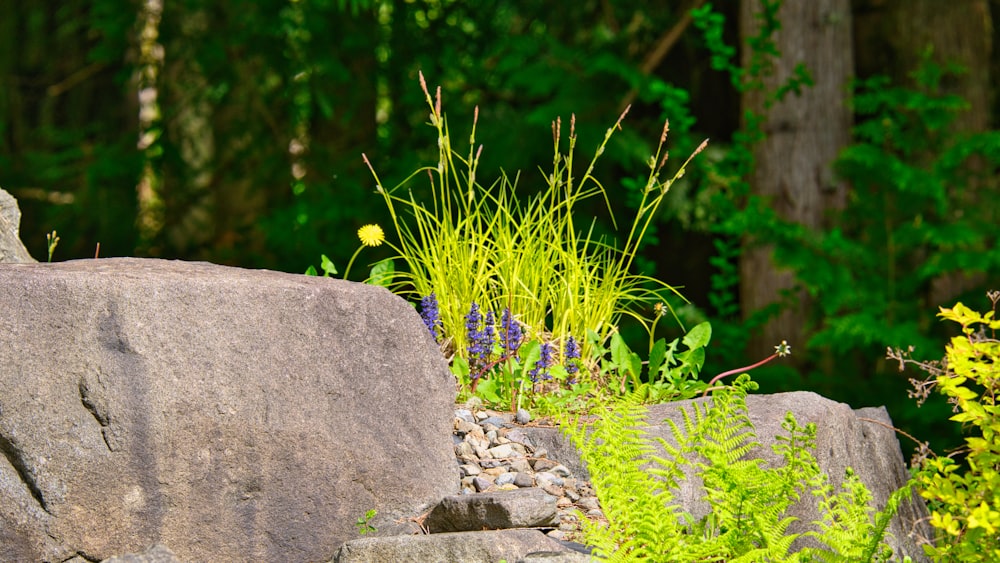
(480,243)
(636,482)
(668,375)
(935,219)
(364,522)
(965,498)
(509,377)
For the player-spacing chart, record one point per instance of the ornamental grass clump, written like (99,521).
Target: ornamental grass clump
(474,242)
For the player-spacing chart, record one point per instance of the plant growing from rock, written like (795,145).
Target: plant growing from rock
(364,522)
(636,485)
(484,243)
(52,239)
(965,497)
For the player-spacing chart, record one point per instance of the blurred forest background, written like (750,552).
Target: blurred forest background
(849,188)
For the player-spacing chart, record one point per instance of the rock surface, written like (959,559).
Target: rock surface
(11,248)
(156,554)
(520,508)
(510,479)
(229,414)
(456,547)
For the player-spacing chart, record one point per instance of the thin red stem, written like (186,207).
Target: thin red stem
(732,371)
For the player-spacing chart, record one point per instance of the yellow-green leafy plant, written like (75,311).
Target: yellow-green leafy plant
(964,498)
(636,481)
(485,243)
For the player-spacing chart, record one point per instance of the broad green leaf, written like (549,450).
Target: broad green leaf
(634,365)
(327,265)
(488,390)
(656,357)
(460,369)
(619,350)
(382,273)
(531,352)
(699,336)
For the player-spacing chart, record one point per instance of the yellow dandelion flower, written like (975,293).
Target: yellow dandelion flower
(371,235)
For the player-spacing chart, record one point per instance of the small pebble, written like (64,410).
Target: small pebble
(545,478)
(522,416)
(561,471)
(495,471)
(520,466)
(543,464)
(517,435)
(493,421)
(523,480)
(553,490)
(502,451)
(463,427)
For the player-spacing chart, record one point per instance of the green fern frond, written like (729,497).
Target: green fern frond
(636,482)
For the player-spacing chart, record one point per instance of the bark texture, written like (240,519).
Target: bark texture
(803,134)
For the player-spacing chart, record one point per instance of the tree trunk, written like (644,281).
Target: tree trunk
(893,37)
(803,134)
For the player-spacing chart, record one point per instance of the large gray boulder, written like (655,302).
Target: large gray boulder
(11,248)
(227,414)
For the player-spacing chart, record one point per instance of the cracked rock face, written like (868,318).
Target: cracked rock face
(11,248)
(230,414)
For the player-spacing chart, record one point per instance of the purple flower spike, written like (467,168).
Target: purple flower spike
(474,337)
(430,313)
(541,369)
(487,337)
(572,353)
(511,334)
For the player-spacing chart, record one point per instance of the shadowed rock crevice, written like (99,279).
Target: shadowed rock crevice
(97,409)
(17,459)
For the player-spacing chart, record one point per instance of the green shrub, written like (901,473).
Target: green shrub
(965,497)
